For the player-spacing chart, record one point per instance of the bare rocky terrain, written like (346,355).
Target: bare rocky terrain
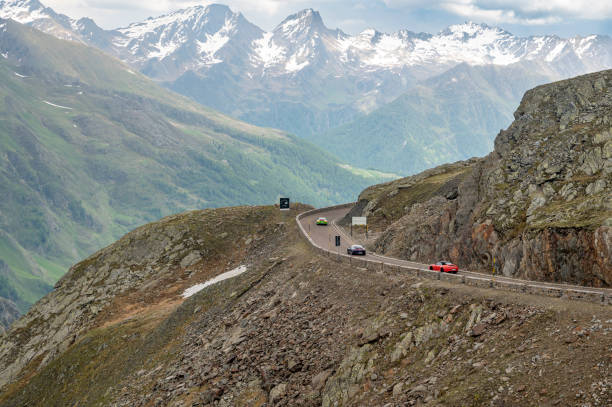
(295,329)
(540,205)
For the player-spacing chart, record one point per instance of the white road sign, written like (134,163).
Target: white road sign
(359,220)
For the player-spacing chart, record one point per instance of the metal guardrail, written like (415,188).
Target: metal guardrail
(522,286)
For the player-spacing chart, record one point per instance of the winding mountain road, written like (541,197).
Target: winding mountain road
(323,238)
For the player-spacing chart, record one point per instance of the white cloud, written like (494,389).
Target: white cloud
(496,16)
(268,13)
(352,24)
(116,13)
(526,12)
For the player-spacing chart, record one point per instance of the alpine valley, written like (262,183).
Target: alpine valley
(175,137)
(233,307)
(90,149)
(433,98)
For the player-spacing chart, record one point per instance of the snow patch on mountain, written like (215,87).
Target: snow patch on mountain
(154,25)
(266,52)
(583,45)
(221,277)
(22,11)
(214,43)
(552,55)
(59,106)
(293,65)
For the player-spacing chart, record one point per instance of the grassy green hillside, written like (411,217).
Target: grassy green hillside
(90,149)
(447,118)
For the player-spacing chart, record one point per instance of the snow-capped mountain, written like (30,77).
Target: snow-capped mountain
(191,39)
(302,76)
(199,37)
(196,48)
(35,14)
(302,40)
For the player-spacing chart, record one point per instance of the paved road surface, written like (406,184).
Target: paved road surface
(324,237)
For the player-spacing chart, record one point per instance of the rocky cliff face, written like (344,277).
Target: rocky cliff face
(539,206)
(8,313)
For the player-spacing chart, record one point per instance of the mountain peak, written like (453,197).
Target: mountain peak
(32,4)
(217,7)
(470,29)
(307,13)
(211,11)
(22,11)
(209,19)
(302,21)
(369,32)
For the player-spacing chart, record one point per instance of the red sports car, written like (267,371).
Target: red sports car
(445,267)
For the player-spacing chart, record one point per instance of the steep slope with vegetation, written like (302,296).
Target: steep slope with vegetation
(539,206)
(90,149)
(149,266)
(294,329)
(446,118)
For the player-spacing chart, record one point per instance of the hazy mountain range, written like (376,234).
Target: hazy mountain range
(309,80)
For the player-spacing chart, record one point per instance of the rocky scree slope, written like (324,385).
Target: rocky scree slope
(298,329)
(540,203)
(146,269)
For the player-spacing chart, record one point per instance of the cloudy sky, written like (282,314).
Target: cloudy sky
(522,17)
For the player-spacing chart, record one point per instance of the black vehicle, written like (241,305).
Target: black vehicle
(356,249)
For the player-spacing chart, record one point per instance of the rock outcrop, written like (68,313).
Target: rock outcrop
(8,313)
(539,206)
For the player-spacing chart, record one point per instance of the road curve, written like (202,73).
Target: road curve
(323,238)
